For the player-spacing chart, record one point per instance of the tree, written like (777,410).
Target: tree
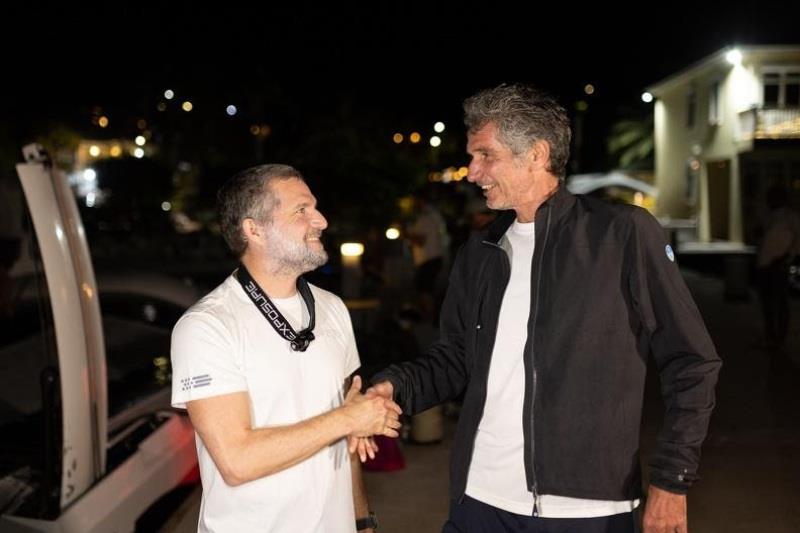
(631,144)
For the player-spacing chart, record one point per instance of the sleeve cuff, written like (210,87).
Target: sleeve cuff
(677,482)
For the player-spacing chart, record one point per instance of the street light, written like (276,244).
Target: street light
(734,57)
(351,268)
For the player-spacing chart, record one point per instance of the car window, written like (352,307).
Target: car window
(137,330)
(30,417)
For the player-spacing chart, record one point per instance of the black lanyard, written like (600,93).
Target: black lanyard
(298,341)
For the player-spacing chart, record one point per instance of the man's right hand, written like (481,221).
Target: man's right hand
(370,414)
(365,446)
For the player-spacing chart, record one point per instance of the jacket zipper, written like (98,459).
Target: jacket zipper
(535,374)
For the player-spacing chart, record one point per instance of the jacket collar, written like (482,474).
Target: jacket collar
(560,202)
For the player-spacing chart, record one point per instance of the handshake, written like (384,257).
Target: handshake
(369,414)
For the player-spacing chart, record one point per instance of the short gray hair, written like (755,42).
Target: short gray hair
(248,195)
(523,115)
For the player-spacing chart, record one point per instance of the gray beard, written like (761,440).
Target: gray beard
(293,257)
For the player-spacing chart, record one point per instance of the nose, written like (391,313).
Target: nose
(472,169)
(319,221)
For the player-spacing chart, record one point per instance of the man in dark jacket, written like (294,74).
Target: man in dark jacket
(546,328)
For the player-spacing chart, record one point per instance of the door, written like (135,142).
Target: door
(719,195)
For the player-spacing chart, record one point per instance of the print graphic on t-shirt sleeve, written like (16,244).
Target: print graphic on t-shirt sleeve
(195,382)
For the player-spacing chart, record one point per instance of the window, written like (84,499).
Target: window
(792,89)
(691,108)
(714,112)
(781,86)
(30,413)
(692,173)
(137,330)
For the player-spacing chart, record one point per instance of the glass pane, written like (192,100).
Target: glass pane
(792,95)
(137,330)
(771,95)
(30,426)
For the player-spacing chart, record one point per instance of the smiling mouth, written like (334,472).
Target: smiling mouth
(487,188)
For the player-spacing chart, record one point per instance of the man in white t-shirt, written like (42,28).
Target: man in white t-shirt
(261,364)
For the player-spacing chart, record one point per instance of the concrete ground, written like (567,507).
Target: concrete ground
(751,460)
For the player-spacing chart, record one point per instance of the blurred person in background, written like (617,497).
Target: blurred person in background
(429,244)
(779,246)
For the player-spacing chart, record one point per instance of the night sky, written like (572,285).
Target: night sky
(402,66)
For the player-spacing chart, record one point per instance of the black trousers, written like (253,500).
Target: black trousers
(473,516)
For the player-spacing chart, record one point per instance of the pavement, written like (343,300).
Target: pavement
(750,468)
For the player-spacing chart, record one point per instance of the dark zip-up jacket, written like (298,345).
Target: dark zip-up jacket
(605,292)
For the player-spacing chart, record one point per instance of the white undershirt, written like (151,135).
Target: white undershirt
(497,471)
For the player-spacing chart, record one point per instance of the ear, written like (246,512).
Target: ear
(539,155)
(250,229)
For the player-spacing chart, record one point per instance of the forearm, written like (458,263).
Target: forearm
(279,448)
(688,392)
(243,455)
(440,374)
(360,502)
(426,381)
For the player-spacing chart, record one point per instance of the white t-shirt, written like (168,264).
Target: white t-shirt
(497,471)
(223,344)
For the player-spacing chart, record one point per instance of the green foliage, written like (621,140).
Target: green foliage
(631,144)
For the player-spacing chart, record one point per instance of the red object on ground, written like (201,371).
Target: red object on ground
(388,458)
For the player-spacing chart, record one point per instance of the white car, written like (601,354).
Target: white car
(88,442)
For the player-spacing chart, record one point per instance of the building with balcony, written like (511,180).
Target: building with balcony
(726,128)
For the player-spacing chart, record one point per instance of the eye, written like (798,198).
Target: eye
(301,211)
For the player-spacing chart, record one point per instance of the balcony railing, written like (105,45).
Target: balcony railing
(782,123)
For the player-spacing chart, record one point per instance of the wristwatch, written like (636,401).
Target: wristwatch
(366,523)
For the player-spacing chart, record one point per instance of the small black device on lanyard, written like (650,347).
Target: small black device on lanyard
(298,341)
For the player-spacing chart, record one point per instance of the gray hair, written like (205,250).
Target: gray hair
(523,115)
(248,195)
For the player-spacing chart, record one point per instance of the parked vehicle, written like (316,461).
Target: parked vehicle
(88,442)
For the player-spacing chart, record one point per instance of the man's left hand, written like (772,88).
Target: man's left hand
(665,512)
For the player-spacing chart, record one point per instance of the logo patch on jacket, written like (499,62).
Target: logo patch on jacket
(670,253)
